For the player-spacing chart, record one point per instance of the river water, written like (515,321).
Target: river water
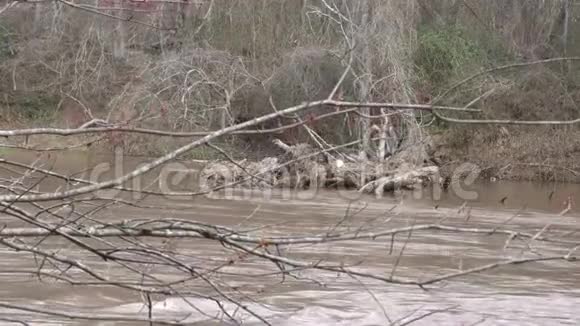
(542,293)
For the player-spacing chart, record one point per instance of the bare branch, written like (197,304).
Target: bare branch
(237,131)
(500,68)
(97,317)
(9,5)
(98,12)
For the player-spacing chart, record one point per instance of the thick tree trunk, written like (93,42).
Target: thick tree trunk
(365,83)
(119,46)
(567,10)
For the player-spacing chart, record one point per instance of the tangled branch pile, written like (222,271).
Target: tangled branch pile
(302,167)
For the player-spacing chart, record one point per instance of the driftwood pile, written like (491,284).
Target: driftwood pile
(302,167)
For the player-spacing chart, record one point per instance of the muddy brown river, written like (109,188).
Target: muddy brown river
(539,293)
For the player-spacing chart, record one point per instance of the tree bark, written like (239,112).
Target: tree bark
(567,9)
(119,46)
(365,83)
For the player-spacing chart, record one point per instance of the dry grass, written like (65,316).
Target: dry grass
(548,152)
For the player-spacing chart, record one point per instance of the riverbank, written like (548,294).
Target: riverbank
(514,154)
(517,155)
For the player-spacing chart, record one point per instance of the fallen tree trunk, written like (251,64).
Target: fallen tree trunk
(401,180)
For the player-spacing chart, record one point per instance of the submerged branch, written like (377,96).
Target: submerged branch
(181,229)
(81,316)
